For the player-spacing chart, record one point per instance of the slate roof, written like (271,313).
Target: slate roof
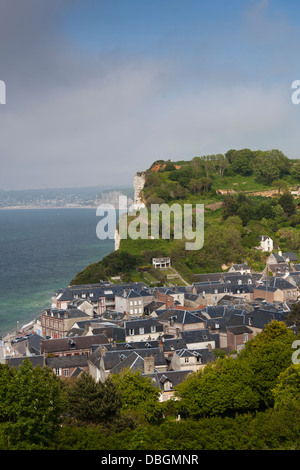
(60,313)
(234,279)
(146,324)
(175,377)
(239,267)
(239,329)
(134,362)
(291,255)
(112,358)
(199,336)
(279,258)
(173,344)
(211,277)
(17,361)
(275,283)
(67,361)
(129,294)
(260,318)
(64,344)
(98,290)
(180,316)
(205,354)
(220,311)
(224,288)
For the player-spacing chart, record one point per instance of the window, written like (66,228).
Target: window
(130,303)
(140,302)
(131,310)
(153,329)
(186,359)
(131,331)
(141,331)
(245,337)
(168,385)
(66,372)
(57,371)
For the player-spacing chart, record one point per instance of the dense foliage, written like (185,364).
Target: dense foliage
(248,402)
(233,222)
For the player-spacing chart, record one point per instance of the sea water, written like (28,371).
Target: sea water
(41,250)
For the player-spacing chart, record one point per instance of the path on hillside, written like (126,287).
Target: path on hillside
(180,277)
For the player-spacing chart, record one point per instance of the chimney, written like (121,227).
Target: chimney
(149,365)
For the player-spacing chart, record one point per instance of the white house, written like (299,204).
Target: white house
(161,263)
(266,243)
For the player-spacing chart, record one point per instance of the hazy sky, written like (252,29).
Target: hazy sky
(99,89)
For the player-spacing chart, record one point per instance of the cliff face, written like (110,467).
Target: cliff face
(138,185)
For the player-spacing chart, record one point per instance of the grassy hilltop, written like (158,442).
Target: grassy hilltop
(245,194)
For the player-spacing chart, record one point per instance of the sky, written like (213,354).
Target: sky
(97,90)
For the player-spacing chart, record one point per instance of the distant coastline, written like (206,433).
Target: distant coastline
(63,198)
(46,207)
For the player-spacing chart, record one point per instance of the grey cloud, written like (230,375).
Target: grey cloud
(76,119)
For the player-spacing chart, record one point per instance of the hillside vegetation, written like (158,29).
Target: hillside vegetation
(250,402)
(245,194)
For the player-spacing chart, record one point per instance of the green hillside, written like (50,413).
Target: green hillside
(258,202)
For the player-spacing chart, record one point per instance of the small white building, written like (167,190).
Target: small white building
(266,243)
(296,193)
(162,263)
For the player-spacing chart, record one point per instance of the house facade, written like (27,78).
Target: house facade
(161,263)
(266,243)
(56,323)
(132,302)
(237,336)
(192,359)
(77,346)
(143,330)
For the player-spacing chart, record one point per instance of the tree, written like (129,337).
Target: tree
(295,170)
(265,169)
(293,317)
(209,163)
(6,393)
(222,163)
(282,162)
(230,206)
(139,396)
(268,354)
(287,203)
(179,192)
(280,185)
(243,165)
(224,387)
(32,402)
(93,402)
(287,390)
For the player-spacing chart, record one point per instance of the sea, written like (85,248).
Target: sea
(41,251)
